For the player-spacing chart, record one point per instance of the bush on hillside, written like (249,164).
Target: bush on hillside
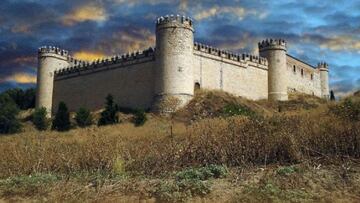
(332,96)
(83,117)
(140,117)
(23,99)
(8,115)
(61,121)
(236,110)
(347,109)
(39,119)
(203,173)
(109,115)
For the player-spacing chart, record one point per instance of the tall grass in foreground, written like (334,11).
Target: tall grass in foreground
(154,149)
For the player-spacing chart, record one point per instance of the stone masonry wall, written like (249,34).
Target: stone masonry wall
(305,78)
(130,81)
(242,75)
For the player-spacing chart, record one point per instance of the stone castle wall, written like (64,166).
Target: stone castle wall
(149,79)
(302,77)
(131,79)
(128,78)
(242,75)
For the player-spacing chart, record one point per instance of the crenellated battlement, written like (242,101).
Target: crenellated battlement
(174,18)
(117,59)
(272,44)
(74,62)
(228,55)
(53,50)
(323,66)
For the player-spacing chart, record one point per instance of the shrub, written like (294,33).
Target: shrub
(61,121)
(332,96)
(190,182)
(8,115)
(236,109)
(287,170)
(203,173)
(347,109)
(140,117)
(83,117)
(180,191)
(23,99)
(39,119)
(109,116)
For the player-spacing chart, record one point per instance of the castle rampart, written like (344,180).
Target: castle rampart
(174,66)
(324,79)
(49,60)
(275,52)
(152,78)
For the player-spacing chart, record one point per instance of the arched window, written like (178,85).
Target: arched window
(302,72)
(294,68)
(197,86)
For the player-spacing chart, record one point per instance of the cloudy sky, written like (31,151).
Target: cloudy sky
(315,30)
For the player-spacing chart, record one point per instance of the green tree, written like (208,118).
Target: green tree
(83,117)
(8,115)
(24,99)
(29,98)
(332,96)
(140,117)
(61,121)
(39,119)
(109,115)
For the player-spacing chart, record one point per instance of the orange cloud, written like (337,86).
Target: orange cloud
(125,41)
(88,56)
(240,12)
(89,12)
(21,78)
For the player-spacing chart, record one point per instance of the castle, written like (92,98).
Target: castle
(164,78)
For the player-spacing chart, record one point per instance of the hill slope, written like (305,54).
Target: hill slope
(220,147)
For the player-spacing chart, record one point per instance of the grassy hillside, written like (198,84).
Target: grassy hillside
(220,147)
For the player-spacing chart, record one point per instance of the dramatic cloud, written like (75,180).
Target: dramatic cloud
(128,39)
(91,12)
(21,78)
(91,29)
(239,12)
(88,56)
(342,43)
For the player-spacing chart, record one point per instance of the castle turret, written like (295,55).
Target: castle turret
(324,79)
(49,60)
(174,83)
(275,52)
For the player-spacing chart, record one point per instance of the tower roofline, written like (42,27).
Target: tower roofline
(174,21)
(53,50)
(272,44)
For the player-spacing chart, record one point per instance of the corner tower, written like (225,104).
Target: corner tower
(173,72)
(49,60)
(324,80)
(274,50)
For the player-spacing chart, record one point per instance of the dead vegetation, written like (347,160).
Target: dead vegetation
(215,129)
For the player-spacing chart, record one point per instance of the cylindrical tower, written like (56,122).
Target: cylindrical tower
(324,79)
(174,67)
(49,60)
(275,52)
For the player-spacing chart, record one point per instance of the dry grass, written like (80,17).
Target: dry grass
(293,135)
(164,145)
